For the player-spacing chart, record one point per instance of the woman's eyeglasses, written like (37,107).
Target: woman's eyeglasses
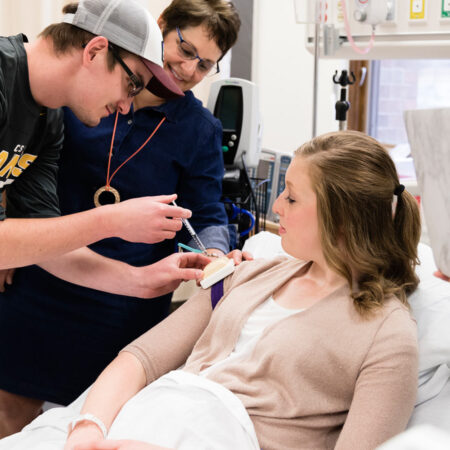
(188,51)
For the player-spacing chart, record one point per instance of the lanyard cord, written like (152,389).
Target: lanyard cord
(109,178)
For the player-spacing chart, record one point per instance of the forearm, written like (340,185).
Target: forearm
(89,269)
(143,219)
(119,382)
(27,241)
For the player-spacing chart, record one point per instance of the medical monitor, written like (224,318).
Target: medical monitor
(235,103)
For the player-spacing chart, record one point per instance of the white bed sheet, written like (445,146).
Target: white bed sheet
(203,415)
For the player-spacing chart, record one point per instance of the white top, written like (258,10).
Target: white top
(266,314)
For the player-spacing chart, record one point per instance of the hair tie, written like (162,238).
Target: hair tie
(399,189)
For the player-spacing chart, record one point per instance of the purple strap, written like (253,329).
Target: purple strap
(216,293)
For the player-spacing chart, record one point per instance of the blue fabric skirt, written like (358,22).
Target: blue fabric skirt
(52,348)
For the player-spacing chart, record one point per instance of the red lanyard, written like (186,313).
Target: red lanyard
(108,187)
(109,178)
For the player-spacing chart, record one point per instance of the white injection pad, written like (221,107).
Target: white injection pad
(223,270)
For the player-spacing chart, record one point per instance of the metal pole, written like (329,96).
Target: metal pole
(316,80)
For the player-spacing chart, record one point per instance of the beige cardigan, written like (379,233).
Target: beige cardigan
(319,379)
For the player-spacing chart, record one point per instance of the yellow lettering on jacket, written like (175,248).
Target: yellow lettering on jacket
(3,157)
(25,160)
(6,171)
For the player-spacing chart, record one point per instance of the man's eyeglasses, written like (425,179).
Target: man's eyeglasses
(135,86)
(188,51)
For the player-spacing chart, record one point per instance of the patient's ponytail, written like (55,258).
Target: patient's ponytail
(407,232)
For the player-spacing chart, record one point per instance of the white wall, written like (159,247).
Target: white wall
(283,69)
(32,16)
(28,16)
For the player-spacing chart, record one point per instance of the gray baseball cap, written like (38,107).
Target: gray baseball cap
(127,24)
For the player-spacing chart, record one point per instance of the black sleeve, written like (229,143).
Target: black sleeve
(2,101)
(34,193)
(2,122)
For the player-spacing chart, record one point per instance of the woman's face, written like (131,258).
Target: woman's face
(297,208)
(184,72)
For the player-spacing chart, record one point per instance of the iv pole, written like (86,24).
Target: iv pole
(342,105)
(316,77)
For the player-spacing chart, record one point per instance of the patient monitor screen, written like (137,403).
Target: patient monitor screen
(229,107)
(229,110)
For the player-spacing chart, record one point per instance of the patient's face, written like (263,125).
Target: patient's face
(297,208)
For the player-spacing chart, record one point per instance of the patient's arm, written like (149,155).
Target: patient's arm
(386,387)
(161,349)
(122,379)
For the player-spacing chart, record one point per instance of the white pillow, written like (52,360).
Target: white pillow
(264,245)
(422,437)
(430,305)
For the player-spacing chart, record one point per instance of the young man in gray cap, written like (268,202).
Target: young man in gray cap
(94,63)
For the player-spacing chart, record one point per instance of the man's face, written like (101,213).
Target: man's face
(101,91)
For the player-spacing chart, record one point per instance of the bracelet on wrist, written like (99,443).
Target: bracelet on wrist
(88,417)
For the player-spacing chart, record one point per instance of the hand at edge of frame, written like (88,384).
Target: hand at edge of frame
(440,275)
(84,435)
(238,256)
(6,277)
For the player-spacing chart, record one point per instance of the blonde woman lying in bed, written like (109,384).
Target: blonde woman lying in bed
(315,351)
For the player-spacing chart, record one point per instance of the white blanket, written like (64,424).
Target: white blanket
(180,410)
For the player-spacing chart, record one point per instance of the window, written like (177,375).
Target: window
(397,86)
(401,84)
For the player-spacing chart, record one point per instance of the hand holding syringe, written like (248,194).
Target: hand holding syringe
(193,233)
(223,268)
(214,271)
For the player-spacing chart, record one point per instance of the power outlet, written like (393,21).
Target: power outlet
(445,9)
(372,12)
(391,16)
(417,10)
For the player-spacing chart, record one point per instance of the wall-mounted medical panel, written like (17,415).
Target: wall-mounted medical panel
(403,28)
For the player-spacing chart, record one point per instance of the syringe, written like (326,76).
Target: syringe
(192,233)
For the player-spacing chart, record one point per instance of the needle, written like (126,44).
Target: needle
(192,233)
